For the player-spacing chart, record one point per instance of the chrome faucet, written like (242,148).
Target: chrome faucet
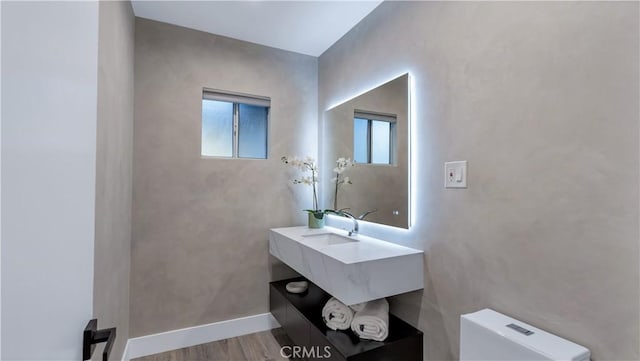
(354,231)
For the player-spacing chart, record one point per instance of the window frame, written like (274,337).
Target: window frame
(236,99)
(370,117)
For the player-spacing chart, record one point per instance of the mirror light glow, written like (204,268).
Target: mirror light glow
(376,228)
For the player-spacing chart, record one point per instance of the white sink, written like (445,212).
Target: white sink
(353,269)
(325,239)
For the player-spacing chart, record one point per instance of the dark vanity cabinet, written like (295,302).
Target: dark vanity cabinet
(301,317)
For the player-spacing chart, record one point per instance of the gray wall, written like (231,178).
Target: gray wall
(114,170)
(200,226)
(542,100)
(49,92)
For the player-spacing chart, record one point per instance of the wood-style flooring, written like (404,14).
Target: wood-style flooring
(261,346)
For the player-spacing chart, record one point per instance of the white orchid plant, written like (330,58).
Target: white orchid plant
(342,164)
(306,164)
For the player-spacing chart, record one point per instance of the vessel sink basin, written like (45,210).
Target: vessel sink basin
(326,239)
(353,269)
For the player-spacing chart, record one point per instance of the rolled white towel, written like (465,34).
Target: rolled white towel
(372,321)
(337,315)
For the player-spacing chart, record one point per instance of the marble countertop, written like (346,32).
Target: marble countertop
(352,269)
(365,249)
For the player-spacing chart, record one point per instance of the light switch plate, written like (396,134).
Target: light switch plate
(455,174)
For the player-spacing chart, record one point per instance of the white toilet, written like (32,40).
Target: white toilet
(488,335)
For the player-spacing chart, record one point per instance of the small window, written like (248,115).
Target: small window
(234,125)
(374,137)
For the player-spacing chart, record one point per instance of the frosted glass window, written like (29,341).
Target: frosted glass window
(234,125)
(217,128)
(252,137)
(374,137)
(380,142)
(360,136)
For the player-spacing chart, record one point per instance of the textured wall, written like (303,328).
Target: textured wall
(114,158)
(200,226)
(49,92)
(542,100)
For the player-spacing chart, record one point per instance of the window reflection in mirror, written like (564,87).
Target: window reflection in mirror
(374,138)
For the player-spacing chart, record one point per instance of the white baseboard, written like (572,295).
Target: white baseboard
(125,353)
(191,336)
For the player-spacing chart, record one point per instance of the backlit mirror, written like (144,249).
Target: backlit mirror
(373,130)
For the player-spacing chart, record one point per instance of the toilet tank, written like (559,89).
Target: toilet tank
(489,335)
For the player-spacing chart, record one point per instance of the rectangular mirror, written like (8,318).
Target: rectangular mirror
(373,130)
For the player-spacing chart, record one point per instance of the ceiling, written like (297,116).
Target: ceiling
(307,27)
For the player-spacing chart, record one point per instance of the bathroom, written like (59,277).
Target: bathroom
(110,210)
